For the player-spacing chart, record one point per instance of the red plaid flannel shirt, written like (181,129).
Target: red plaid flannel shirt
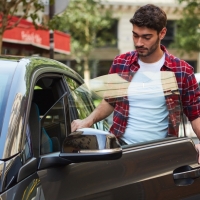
(187,84)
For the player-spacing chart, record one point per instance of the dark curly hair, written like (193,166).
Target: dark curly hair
(151,17)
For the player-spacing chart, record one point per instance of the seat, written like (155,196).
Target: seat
(44,99)
(46,144)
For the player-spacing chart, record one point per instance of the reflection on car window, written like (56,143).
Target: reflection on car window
(82,102)
(153,100)
(79,100)
(5,82)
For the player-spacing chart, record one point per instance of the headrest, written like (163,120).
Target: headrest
(44,99)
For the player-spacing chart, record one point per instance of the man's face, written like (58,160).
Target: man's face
(146,41)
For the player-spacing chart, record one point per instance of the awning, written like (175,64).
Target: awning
(25,33)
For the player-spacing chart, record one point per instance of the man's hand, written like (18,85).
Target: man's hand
(196,128)
(103,110)
(78,123)
(197,146)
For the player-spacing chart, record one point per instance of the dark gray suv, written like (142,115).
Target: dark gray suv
(41,159)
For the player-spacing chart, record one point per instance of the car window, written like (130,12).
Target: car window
(80,100)
(154,97)
(5,82)
(49,114)
(27,150)
(53,129)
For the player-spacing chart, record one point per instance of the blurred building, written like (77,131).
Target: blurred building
(102,57)
(26,40)
(122,30)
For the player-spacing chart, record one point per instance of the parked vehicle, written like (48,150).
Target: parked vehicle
(41,159)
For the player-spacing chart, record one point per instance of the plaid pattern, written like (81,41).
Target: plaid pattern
(188,88)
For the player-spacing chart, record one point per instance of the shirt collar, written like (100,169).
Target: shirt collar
(167,62)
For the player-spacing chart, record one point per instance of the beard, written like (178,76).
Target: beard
(148,51)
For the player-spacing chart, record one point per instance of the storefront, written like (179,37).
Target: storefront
(26,40)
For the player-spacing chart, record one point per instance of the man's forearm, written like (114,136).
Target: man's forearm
(196,126)
(103,110)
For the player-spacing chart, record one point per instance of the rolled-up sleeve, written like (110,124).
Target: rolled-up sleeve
(191,96)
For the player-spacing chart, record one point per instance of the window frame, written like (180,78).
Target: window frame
(63,92)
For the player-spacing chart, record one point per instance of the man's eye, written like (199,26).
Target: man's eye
(135,36)
(147,38)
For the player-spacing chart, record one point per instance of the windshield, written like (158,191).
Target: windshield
(149,101)
(6,74)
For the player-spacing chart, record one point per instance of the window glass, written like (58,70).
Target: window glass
(79,100)
(152,100)
(53,128)
(49,113)
(6,74)
(27,153)
(82,102)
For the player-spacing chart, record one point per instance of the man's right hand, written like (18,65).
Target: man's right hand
(103,110)
(78,123)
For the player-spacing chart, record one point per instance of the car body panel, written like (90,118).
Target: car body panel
(126,177)
(30,188)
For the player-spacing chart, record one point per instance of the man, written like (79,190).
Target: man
(149,28)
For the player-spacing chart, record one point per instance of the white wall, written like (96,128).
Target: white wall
(125,41)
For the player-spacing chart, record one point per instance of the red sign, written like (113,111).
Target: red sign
(25,33)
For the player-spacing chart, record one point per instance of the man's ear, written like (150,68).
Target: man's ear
(162,33)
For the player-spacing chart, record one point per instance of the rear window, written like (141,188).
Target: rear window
(6,74)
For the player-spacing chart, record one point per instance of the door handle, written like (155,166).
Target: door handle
(193,173)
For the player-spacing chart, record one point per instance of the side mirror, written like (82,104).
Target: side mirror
(90,145)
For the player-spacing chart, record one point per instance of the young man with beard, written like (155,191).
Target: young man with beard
(149,28)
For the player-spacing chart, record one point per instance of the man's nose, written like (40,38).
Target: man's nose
(139,42)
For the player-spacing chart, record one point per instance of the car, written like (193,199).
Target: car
(40,158)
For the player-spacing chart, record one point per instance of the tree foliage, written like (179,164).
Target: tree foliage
(188,27)
(84,19)
(10,8)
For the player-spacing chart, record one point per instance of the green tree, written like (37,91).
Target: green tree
(188,27)
(9,8)
(84,19)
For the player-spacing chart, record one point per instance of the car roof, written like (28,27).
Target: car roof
(33,62)
(11,57)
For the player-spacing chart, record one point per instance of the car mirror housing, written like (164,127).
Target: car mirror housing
(90,145)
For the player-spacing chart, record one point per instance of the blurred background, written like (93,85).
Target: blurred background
(87,34)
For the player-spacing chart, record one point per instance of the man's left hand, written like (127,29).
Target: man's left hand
(197,146)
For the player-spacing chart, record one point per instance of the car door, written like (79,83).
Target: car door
(159,169)
(148,171)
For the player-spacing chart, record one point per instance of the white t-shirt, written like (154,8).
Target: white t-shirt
(148,114)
